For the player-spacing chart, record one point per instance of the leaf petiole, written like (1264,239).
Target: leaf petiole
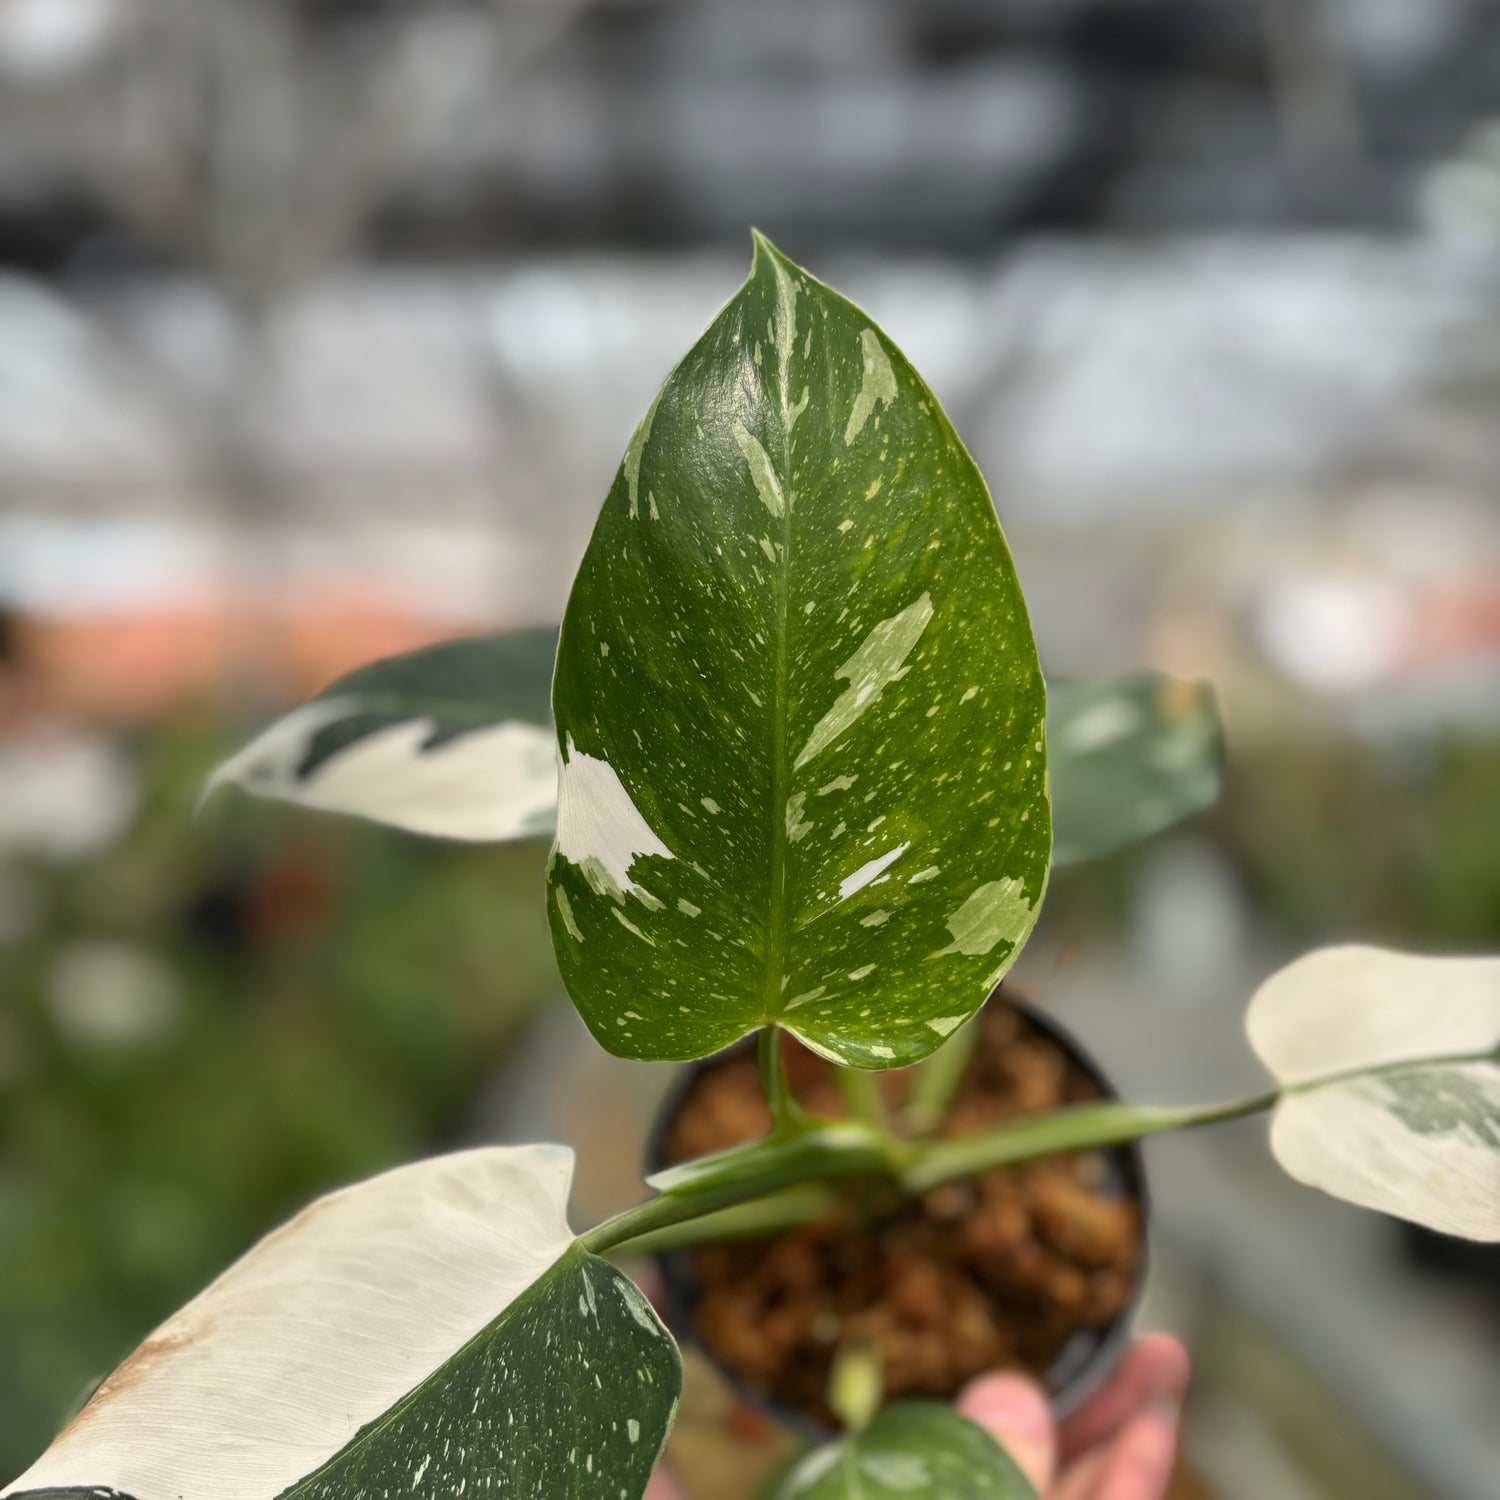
(822,1153)
(787,1116)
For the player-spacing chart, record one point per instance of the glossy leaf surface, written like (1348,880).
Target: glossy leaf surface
(453,741)
(798,705)
(1128,756)
(915,1450)
(569,1393)
(438,1323)
(1417,1133)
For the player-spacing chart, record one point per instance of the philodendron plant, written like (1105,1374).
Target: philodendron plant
(802,785)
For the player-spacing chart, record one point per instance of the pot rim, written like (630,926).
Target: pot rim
(1086,1360)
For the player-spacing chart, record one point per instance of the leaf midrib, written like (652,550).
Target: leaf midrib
(781,770)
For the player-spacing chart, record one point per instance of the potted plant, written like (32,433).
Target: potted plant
(802,793)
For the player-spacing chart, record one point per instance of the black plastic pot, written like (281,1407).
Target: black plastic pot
(1086,1359)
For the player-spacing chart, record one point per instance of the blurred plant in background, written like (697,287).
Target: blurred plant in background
(206,1023)
(1335,836)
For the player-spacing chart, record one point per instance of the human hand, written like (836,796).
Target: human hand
(1119,1445)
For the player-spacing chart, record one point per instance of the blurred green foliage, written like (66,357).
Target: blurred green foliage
(1332,838)
(325,1000)
(1396,843)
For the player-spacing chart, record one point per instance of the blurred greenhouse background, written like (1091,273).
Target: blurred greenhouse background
(323,324)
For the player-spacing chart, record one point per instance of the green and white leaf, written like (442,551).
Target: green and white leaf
(433,1331)
(1416,1132)
(914,1450)
(454,741)
(798,706)
(1128,756)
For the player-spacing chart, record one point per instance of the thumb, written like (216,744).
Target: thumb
(1015,1413)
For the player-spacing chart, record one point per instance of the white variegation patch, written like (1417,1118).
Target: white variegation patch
(996,910)
(762,474)
(877,384)
(869,871)
(318,1330)
(1416,1131)
(599,828)
(1422,1145)
(877,663)
(487,785)
(631,466)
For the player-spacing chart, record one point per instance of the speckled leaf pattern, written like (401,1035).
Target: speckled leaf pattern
(435,1330)
(798,707)
(568,1395)
(454,741)
(915,1450)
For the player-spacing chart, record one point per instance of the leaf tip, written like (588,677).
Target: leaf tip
(762,248)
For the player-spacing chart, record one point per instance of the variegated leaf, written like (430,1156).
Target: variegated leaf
(1128,756)
(798,706)
(453,741)
(915,1450)
(1412,1126)
(434,1331)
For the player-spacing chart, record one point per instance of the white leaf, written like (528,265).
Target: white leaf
(453,741)
(1424,1146)
(1418,1133)
(318,1330)
(487,785)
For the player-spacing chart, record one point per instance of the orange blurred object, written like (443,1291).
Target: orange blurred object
(137,666)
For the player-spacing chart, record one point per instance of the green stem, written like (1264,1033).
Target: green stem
(1078,1128)
(786,1113)
(936,1080)
(696,1188)
(863,1098)
(846,1149)
(788,1209)
(1087,1126)
(842,1149)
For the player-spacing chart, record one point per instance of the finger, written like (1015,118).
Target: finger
(1080,1480)
(1015,1413)
(661,1486)
(1156,1369)
(1136,1465)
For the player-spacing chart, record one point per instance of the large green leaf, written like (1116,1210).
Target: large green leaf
(1128,756)
(434,1331)
(454,741)
(915,1450)
(798,705)
(569,1393)
(1410,1124)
